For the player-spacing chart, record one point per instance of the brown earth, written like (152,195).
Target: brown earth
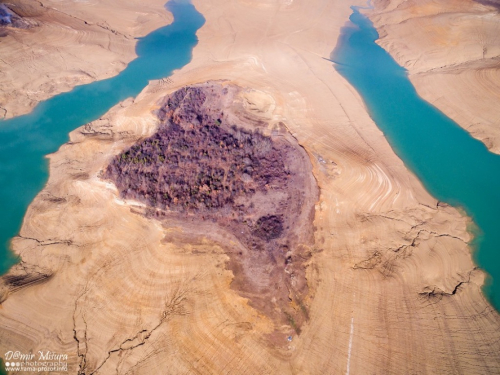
(392,288)
(61,44)
(210,161)
(453,60)
(12,15)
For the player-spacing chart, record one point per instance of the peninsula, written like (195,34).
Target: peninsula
(243,216)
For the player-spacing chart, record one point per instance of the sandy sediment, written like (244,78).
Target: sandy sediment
(451,49)
(213,161)
(392,288)
(68,43)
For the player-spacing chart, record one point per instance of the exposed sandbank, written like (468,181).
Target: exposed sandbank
(453,60)
(69,43)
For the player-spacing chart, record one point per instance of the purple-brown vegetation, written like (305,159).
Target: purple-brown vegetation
(194,163)
(209,160)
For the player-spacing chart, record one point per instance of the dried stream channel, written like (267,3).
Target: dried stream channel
(25,140)
(454,167)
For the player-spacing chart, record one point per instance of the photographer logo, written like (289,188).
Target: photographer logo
(42,361)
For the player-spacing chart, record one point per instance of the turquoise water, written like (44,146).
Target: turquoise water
(453,166)
(25,140)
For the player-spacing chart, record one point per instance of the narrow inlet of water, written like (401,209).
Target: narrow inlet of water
(453,166)
(25,140)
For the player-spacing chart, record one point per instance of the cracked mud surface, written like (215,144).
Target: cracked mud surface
(128,287)
(209,161)
(391,272)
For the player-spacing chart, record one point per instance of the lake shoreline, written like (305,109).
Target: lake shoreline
(389,273)
(474,92)
(29,138)
(75,44)
(459,73)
